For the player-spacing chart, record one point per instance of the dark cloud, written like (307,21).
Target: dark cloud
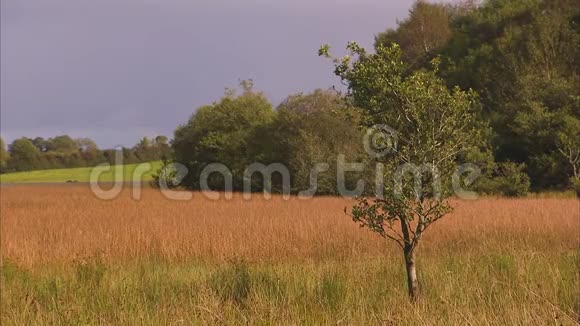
(116,70)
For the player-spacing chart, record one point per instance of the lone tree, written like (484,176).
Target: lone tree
(429,126)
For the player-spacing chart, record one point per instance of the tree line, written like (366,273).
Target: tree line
(25,154)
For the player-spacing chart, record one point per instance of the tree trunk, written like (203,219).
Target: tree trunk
(412,282)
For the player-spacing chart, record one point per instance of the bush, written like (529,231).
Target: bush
(508,179)
(220,133)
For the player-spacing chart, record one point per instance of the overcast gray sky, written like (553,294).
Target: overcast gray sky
(117,70)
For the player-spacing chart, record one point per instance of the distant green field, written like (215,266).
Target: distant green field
(77,174)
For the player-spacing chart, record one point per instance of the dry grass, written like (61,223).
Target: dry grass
(48,224)
(70,258)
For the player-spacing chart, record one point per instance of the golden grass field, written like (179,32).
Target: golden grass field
(71,258)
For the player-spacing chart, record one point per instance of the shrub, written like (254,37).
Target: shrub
(508,179)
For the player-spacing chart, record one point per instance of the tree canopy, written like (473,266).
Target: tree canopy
(220,133)
(522,58)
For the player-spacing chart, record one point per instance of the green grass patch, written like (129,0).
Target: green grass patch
(79,174)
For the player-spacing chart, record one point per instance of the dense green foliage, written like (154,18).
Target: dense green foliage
(311,129)
(238,131)
(220,133)
(522,58)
